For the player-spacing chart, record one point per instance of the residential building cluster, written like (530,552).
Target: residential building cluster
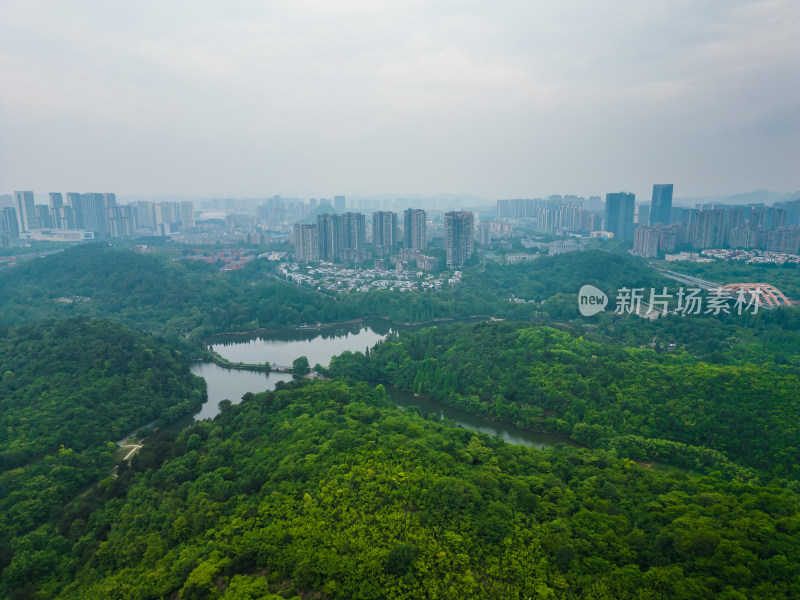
(333,278)
(657,227)
(557,247)
(335,231)
(737,227)
(333,237)
(410,256)
(752,257)
(90,216)
(558,215)
(280,213)
(230,259)
(686,257)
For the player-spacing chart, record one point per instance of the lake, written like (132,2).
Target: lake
(282,346)
(319,345)
(231,384)
(498,429)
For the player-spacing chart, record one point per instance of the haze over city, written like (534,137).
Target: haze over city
(493,99)
(400,300)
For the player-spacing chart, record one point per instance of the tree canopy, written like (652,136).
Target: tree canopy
(70,389)
(670,407)
(324,489)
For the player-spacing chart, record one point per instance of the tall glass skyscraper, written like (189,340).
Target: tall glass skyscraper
(620,208)
(661,207)
(26,211)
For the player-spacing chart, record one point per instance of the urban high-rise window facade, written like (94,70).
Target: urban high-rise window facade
(620,208)
(330,236)
(415,230)
(661,206)
(384,231)
(355,231)
(459,237)
(26,210)
(304,237)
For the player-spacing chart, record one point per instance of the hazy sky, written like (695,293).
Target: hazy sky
(498,99)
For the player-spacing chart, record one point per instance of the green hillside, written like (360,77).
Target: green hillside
(324,490)
(667,406)
(69,389)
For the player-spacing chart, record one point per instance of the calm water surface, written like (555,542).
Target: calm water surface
(231,384)
(281,347)
(498,429)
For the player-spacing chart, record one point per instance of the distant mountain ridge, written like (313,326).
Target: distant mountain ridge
(319,210)
(762,197)
(759,196)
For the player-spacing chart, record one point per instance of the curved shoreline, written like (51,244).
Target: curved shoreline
(321,326)
(223,362)
(299,328)
(566,439)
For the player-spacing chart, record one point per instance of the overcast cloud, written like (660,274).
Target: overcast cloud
(498,99)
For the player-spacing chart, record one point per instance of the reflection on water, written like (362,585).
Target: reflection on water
(318,345)
(505,431)
(231,384)
(282,346)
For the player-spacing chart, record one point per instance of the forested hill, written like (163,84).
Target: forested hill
(80,382)
(564,274)
(326,491)
(152,292)
(176,296)
(68,390)
(669,407)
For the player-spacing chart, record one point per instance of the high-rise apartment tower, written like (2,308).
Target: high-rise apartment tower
(459,238)
(384,232)
(415,230)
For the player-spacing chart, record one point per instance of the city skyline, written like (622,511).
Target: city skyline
(446,201)
(401,98)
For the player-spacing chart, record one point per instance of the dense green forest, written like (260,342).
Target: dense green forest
(636,400)
(324,490)
(174,296)
(68,390)
(153,293)
(770,336)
